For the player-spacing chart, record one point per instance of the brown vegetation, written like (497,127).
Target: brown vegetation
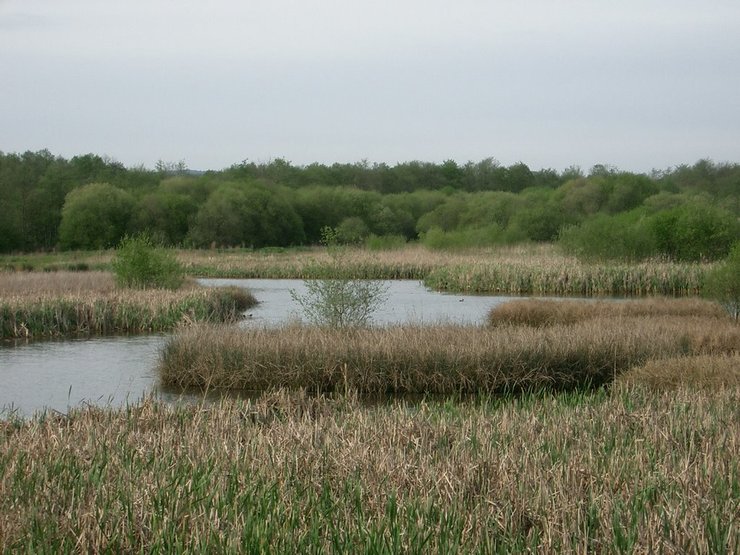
(34,304)
(442,359)
(546,312)
(620,471)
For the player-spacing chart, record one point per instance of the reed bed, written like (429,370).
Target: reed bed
(519,270)
(63,303)
(441,359)
(628,470)
(697,372)
(545,312)
(413,262)
(567,276)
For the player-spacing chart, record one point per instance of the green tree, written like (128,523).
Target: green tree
(247,214)
(95,216)
(164,215)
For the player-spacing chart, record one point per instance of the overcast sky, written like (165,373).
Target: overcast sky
(638,84)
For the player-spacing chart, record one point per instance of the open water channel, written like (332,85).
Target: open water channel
(59,374)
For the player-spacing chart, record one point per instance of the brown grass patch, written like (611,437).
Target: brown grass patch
(696,372)
(541,312)
(441,359)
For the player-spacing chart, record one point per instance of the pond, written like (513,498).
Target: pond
(57,375)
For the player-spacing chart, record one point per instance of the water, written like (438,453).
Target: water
(57,375)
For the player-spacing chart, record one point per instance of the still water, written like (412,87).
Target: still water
(57,375)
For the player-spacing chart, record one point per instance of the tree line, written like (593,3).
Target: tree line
(89,202)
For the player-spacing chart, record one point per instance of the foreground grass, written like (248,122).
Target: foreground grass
(437,359)
(624,470)
(62,303)
(524,270)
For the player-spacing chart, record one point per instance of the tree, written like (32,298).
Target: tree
(247,214)
(95,216)
(165,216)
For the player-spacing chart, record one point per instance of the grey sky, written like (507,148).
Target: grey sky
(637,84)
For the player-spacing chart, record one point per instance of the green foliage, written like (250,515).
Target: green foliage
(139,264)
(458,239)
(384,242)
(352,231)
(339,302)
(723,283)
(95,216)
(164,215)
(622,237)
(48,202)
(695,232)
(539,218)
(248,215)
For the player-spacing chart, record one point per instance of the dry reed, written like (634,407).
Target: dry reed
(442,359)
(542,312)
(621,471)
(46,304)
(696,372)
(520,270)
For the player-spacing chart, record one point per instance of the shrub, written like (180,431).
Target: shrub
(139,264)
(623,237)
(723,282)
(385,242)
(339,302)
(695,232)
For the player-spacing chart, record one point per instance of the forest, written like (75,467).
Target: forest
(689,212)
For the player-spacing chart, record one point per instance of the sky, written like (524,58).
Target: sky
(636,84)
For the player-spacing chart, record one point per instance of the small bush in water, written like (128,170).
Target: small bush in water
(140,264)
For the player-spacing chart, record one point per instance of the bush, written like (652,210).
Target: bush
(723,283)
(623,237)
(384,242)
(695,232)
(339,302)
(139,264)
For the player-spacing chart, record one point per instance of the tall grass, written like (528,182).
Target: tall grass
(43,305)
(444,359)
(546,312)
(524,269)
(620,471)
(567,276)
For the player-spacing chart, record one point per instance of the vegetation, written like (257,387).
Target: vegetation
(623,470)
(544,312)
(687,213)
(43,305)
(339,301)
(436,359)
(723,283)
(139,264)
